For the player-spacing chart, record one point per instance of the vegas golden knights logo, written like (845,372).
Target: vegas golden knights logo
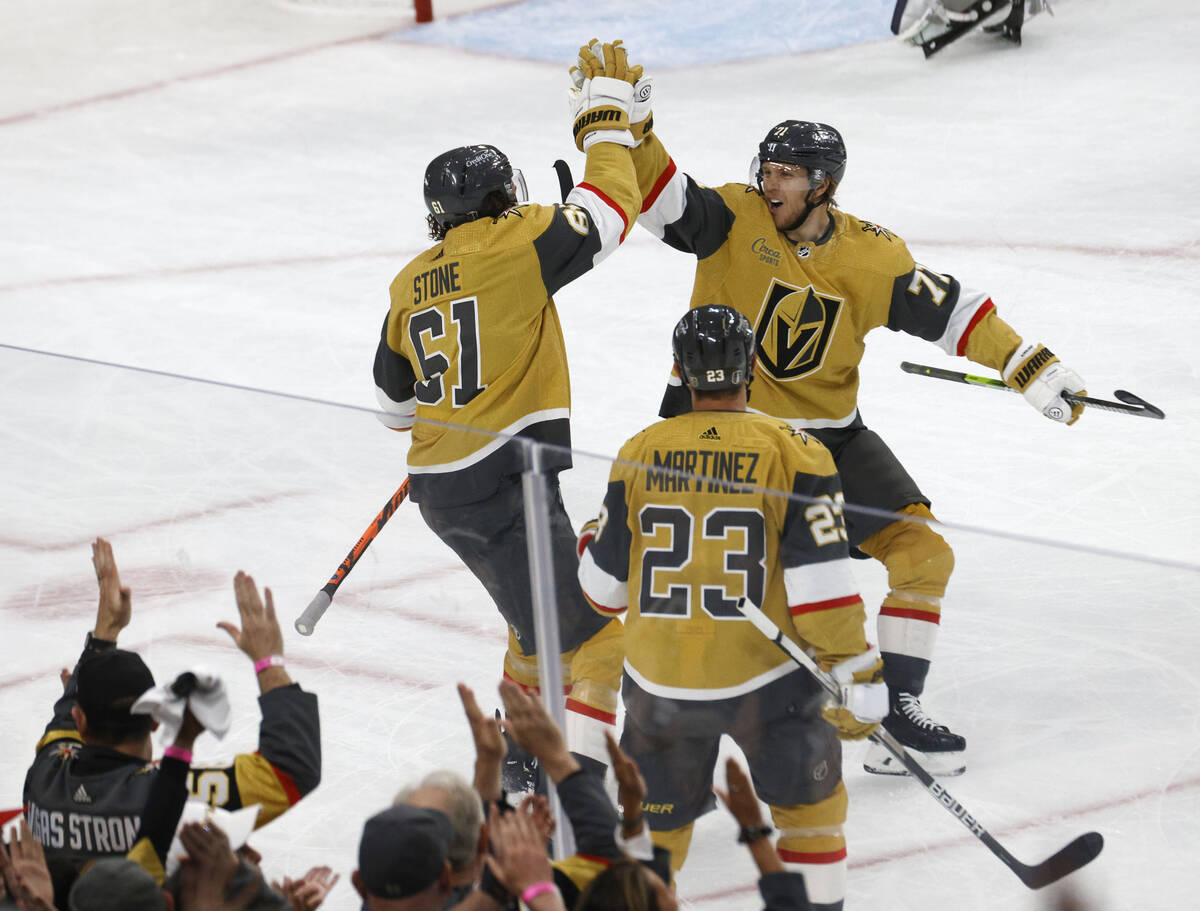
(795,330)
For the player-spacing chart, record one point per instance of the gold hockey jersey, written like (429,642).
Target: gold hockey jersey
(473,339)
(703,524)
(811,304)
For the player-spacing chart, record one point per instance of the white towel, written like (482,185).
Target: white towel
(237,824)
(200,690)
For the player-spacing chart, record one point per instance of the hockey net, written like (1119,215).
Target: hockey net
(421,9)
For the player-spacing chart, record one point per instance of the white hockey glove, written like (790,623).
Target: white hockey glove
(611,60)
(600,112)
(1037,374)
(864,696)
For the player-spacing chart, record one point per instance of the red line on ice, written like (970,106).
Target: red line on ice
(207,268)
(188,77)
(208,512)
(222,70)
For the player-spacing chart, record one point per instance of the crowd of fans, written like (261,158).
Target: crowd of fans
(106,826)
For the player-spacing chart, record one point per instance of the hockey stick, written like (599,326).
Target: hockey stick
(1081,851)
(566,182)
(307,621)
(1128,404)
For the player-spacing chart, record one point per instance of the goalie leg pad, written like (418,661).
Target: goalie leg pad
(812,842)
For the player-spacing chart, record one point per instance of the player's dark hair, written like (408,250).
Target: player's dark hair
(110,732)
(467,183)
(622,887)
(493,206)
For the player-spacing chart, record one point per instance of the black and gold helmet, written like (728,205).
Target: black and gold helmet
(714,347)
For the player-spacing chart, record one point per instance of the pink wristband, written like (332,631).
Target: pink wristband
(174,752)
(270,661)
(537,889)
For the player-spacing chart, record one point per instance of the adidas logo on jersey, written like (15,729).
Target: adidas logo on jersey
(81,795)
(710,434)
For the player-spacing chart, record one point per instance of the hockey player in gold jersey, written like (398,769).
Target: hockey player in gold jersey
(472,351)
(732,505)
(813,281)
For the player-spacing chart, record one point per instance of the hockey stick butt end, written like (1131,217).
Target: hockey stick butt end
(307,621)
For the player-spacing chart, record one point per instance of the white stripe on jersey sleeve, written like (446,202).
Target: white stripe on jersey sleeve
(607,218)
(397,415)
(667,207)
(502,438)
(607,592)
(969,303)
(816,583)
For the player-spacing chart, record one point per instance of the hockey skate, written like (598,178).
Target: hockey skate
(934,745)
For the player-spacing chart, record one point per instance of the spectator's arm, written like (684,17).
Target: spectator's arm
(113,612)
(260,637)
(520,862)
(25,873)
(164,804)
(288,762)
(593,817)
(489,747)
(115,608)
(743,805)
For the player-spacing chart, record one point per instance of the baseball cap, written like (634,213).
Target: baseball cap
(109,682)
(403,850)
(116,884)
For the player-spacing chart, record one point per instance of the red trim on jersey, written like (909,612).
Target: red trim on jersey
(6,815)
(285,781)
(659,185)
(813,606)
(811,857)
(605,861)
(582,708)
(531,690)
(983,311)
(608,202)
(910,613)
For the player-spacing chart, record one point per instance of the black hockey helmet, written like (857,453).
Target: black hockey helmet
(714,347)
(815,146)
(458,182)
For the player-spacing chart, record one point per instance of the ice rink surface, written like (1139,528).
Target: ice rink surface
(223,190)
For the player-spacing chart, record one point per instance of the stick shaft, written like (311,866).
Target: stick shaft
(307,621)
(566,182)
(1129,404)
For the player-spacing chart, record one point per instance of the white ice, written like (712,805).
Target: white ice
(224,190)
